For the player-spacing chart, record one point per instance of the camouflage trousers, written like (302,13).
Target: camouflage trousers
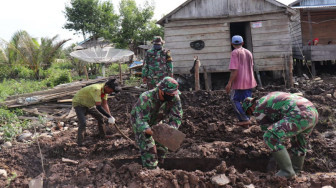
(297,127)
(151,152)
(151,83)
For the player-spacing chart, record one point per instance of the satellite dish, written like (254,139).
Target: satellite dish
(101,55)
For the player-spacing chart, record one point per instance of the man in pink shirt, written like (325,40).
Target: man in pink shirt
(241,78)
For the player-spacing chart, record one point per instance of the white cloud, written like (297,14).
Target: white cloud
(45,18)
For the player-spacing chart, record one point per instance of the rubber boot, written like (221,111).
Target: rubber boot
(297,162)
(285,164)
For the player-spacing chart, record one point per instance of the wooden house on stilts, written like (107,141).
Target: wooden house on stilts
(204,28)
(316,21)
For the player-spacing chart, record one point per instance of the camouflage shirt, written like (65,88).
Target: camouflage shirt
(145,112)
(277,105)
(157,65)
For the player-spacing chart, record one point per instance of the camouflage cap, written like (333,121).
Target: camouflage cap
(169,85)
(158,40)
(247,103)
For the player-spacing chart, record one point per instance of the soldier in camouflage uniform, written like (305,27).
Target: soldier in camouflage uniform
(160,103)
(157,64)
(284,115)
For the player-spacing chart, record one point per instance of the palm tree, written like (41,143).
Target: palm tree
(26,50)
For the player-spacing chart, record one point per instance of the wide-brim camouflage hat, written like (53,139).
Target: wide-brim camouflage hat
(169,85)
(158,40)
(247,103)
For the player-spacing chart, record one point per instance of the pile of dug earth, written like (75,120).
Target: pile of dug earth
(215,153)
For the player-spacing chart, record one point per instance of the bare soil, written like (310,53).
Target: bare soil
(214,145)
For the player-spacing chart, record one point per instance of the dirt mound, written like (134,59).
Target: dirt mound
(214,151)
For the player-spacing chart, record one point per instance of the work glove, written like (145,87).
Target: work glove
(111,120)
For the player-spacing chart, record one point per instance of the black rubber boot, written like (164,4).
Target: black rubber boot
(285,164)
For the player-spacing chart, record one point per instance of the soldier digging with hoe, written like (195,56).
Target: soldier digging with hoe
(283,115)
(164,98)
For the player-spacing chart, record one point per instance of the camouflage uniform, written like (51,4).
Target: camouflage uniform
(284,115)
(148,111)
(157,65)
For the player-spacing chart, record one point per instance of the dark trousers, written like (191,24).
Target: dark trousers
(81,112)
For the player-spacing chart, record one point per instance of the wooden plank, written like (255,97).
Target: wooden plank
(251,6)
(214,69)
(207,50)
(241,18)
(210,69)
(71,86)
(258,43)
(207,56)
(196,22)
(195,30)
(206,36)
(271,29)
(207,42)
(265,55)
(45,92)
(272,68)
(278,48)
(224,26)
(323,58)
(219,62)
(272,36)
(274,22)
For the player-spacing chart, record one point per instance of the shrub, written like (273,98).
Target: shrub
(113,69)
(133,81)
(5,71)
(20,71)
(15,87)
(62,64)
(58,77)
(11,125)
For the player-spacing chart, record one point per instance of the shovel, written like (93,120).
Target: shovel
(168,136)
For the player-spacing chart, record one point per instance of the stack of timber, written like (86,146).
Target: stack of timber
(55,103)
(61,91)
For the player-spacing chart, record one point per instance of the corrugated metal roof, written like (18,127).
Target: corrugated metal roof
(315,7)
(305,3)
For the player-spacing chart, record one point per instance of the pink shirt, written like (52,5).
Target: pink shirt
(242,60)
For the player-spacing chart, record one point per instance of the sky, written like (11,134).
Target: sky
(45,18)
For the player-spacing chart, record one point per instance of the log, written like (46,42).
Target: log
(206,79)
(197,65)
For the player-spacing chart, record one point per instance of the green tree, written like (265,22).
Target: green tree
(91,17)
(135,24)
(23,49)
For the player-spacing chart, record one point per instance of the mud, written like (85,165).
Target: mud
(214,145)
